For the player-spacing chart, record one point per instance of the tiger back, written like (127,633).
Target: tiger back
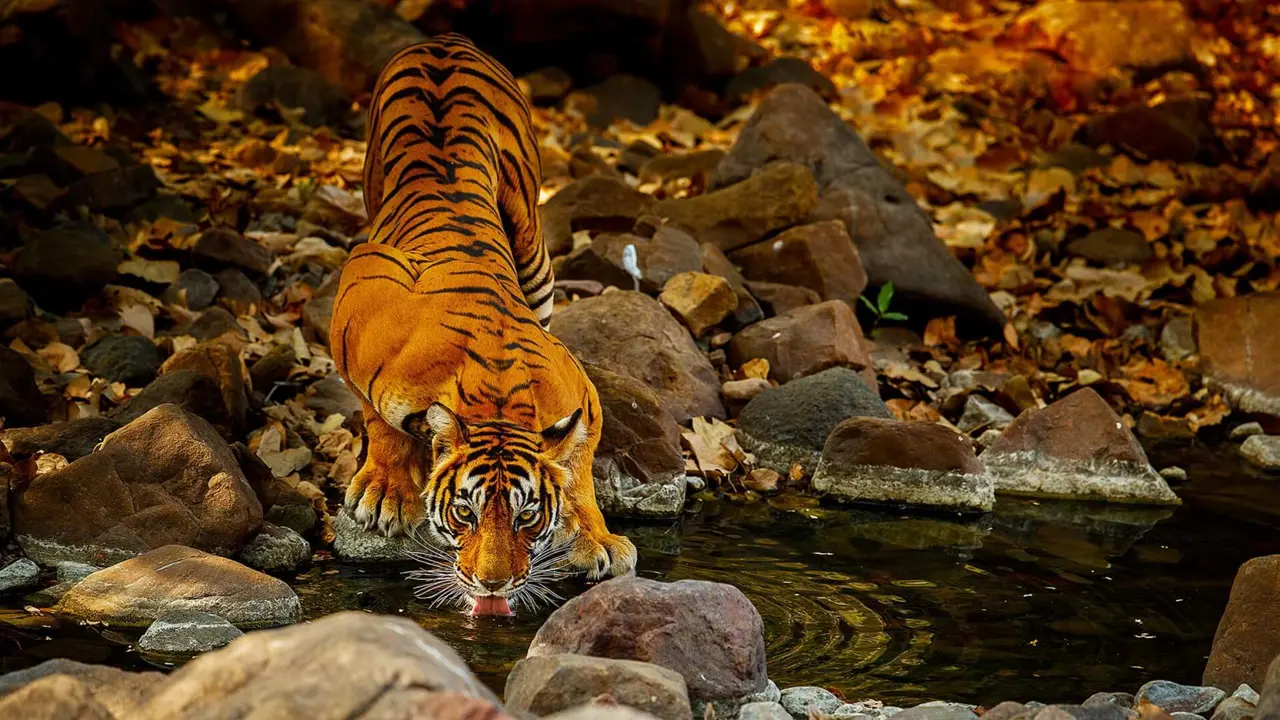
(481,425)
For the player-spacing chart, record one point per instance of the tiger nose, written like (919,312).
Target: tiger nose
(493,584)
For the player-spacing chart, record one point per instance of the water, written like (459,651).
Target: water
(1039,601)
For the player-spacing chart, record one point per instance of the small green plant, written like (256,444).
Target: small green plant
(880,308)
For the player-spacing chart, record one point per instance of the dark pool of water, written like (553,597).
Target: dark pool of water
(1046,601)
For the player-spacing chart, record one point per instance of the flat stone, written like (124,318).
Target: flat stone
(223,247)
(1244,430)
(799,700)
(18,576)
(946,711)
(1075,448)
(1175,698)
(1239,353)
(276,549)
(185,633)
(1248,635)
(136,592)
(551,683)
(763,711)
(355,544)
(1262,450)
(74,571)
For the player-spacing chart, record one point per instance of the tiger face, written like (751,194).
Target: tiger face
(494,499)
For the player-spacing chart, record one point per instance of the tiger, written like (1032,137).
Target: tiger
(480,425)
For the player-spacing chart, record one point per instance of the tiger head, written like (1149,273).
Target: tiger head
(494,499)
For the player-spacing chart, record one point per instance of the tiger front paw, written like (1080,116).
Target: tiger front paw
(603,555)
(388,501)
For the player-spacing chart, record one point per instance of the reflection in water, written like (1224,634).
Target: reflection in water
(1047,601)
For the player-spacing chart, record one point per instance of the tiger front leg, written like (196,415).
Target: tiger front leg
(595,550)
(386,492)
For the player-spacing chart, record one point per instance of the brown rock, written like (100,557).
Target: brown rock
(658,259)
(221,364)
(237,292)
(21,403)
(57,697)
(1269,702)
(1111,246)
(638,466)
(594,203)
(187,389)
(778,195)
(819,256)
(701,301)
(805,341)
(115,690)
(631,334)
(1176,130)
(665,168)
(317,312)
(714,262)
(1248,635)
(349,665)
(165,478)
(709,633)
(272,368)
(1075,448)
(222,247)
(1240,350)
(547,684)
(173,578)
(780,299)
(72,439)
(741,391)
(909,463)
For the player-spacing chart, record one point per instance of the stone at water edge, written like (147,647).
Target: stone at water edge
(941,711)
(1006,710)
(350,664)
(806,340)
(1239,350)
(1174,698)
(980,414)
(1122,699)
(355,544)
(1075,448)
(118,691)
(709,633)
(186,633)
(763,711)
(53,698)
(910,463)
(789,424)
(74,571)
(276,549)
(548,684)
(134,593)
(1248,635)
(798,700)
(19,575)
(1262,451)
(601,712)
(1246,430)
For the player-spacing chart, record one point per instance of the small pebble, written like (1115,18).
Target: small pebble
(798,700)
(1246,693)
(1187,716)
(694,483)
(763,711)
(1175,474)
(1124,700)
(19,575)
(1245,430)
(1262,450)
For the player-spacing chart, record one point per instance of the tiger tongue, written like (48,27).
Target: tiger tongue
(491,605)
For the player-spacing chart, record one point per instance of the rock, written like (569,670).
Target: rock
(946,711)
(805,341)
(213,324)
(778,195)
(53,698)
(780,299)
(272,368)
(709,633)
(1075,448)
(355,544)
(130,359)
(1175,130)
(546,85)
(1111,246)
(980,414)
(195,290)
(1239,354)
(135,592)
(595,203)
(237,292)
(819,256)
(894,237)
(74,572)
(276,549)
(21,403)
(631,334)
(183,633)
(657,259)
(601,712)
(164,478)
(1104,699)
(1248,635)
(701,301)
(619,96)
(789,424)
(317,312)
(763,711)
(1006,710)
(1262,450)
(1129,33)
(547,684)
(738,393)
(1247,430)
(778,71)
(278,88)
(1178,339)
(72,438)
(869,459)
(798,700)
(1173,474)
(696,164)
(714,262)
(15,303)
(1175,698)
(1269,702)
(115,690)
(350,664)
(190,390)
(330,396)
(638,468)
(64,266)
(19,575)
(1246,693)
(113,191)
(222,364)
(220,248)
(1234,708)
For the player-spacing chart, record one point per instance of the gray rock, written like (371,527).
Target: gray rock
(798,700)
(19,575)
(1246,430)
(195,289)
(355,544)
(790,424)
(299,517)
(1187,716)
(1246,693)
(1173,697)
(1262,450)
(1006,710)
(763,711)
(130,359)
(1124,700)
(551,683)
(1178,339)
(185,633)
(1235,708)
(728,708)
(69,571)
(980,414)
(945,711)
(276,549)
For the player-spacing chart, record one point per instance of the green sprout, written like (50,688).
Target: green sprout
(880,308)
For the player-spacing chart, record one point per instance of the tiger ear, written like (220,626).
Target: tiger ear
(447,429)
(563,440)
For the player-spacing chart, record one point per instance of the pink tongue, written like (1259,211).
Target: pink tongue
(491,605)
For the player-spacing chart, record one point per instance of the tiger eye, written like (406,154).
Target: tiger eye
(527,515)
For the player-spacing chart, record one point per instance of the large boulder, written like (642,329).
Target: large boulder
(115,691)
(547,684)
(895,238)
(806,340)
(136,592)
(777,196)
(631,334)
(1248,635)
(165,478)
(708,632)
(903,463)
(638,466)
(789,425)
(1076,448)
(1239,350)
